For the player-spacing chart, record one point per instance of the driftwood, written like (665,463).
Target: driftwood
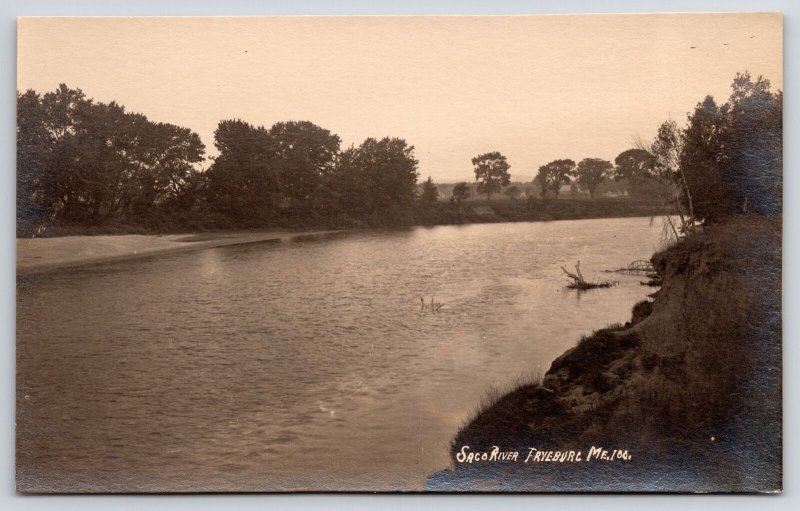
(577,276)
(638,267)
(578,282)
(433,307)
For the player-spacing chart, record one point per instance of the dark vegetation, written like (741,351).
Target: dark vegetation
(691,386)
(533,209)
(87,167)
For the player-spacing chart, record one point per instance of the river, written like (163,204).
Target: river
(307,364)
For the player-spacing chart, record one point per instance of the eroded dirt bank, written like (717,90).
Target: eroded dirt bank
(689,390)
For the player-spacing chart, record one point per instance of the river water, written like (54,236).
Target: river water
(306,364)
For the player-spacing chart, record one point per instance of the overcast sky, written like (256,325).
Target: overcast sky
(535,88)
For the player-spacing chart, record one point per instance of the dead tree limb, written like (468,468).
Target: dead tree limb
(578,282)
(577,276)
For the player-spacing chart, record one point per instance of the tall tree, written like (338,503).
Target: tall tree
(636,167)
(305,153)
(491,172)
(59,187)
(703,158)
(244,180)
(33,152)
(667,149)
(167,156)
(591,172)
(753,168)
(554,174)
(376,180)
(346,187)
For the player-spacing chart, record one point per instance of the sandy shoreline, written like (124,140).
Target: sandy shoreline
(44,254)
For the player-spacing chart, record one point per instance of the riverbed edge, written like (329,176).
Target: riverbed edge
(60,256)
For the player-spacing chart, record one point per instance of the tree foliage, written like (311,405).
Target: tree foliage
(703,157)
(636,167)
(591,172)
(376,179)
(491,172)
(244,180)
(554,174)
(84,163)
(753,168)
(87,162)
(728,159)
(305,154)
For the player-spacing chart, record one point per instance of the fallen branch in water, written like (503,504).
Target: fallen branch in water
(637,267)
(578,282)
(433,307)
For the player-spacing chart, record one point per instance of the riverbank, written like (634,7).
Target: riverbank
(44,254)
(443,212)
(535,210)
(72,245)
(688,391)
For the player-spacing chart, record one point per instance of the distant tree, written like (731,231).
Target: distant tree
(461,192)
(636,167)
(591,172)
(491,172)
(554,174)
(430,194)
(512,192)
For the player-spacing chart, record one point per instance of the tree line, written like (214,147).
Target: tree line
(726,160)
(631,167)
(87,163)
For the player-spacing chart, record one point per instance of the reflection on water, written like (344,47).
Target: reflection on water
(299,365)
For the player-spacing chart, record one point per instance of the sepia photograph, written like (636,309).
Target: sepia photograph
(427,254)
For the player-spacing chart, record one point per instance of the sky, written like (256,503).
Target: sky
(535,88)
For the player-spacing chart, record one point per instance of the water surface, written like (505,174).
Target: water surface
(299,365)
